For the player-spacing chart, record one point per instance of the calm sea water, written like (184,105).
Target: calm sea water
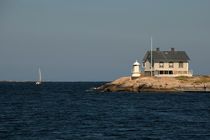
(71,111)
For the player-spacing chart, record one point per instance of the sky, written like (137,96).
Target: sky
(97,40)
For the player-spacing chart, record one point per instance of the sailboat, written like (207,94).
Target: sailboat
(40,78)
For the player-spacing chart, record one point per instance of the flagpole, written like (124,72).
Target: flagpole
(151,57)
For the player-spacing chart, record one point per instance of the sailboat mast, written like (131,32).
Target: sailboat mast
(40,75)
(151,57)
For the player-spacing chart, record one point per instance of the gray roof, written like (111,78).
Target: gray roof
(166,56)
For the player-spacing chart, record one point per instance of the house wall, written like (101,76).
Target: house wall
(166,67)
(175,67)
(147,66)
(176,71)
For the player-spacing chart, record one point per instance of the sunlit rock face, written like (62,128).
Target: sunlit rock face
(158,84)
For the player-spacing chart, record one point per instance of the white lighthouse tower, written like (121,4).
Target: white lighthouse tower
(136,72)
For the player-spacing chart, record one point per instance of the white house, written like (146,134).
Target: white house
(166,63)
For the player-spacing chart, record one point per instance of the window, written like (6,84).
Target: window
(161,65)
(171,64)
(181,65)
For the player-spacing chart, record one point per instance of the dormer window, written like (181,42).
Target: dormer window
(171,64)
(161,65)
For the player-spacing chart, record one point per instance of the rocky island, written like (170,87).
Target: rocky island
(158,84)
(163,71)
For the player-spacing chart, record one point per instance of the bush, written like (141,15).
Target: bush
(182,78)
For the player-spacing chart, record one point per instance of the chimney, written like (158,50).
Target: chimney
(172,49)
(157,49)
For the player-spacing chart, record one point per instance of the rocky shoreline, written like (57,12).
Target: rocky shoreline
(158,84)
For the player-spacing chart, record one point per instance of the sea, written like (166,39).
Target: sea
(75,111)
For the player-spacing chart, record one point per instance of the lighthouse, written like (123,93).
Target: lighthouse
(136,70)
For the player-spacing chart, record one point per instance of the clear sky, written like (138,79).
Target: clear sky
(97,40)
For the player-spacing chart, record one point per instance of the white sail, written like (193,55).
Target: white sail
(40,78)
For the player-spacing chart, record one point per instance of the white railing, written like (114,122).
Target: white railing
(188,74)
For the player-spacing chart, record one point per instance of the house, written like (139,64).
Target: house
(166,63)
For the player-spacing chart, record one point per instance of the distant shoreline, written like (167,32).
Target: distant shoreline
(11,81)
